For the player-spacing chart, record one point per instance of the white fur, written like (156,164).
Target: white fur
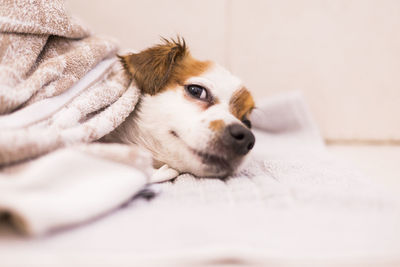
(174,110)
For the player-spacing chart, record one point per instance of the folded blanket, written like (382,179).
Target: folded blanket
(59,87)
(58,84)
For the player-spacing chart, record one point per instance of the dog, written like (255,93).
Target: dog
(193,116)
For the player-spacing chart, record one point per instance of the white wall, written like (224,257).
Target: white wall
(343,54)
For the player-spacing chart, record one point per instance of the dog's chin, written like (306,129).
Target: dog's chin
(213,161)
(207,165)
(213,165)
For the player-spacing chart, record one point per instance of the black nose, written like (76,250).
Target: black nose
(239,138)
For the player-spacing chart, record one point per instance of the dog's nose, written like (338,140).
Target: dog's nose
(240,138)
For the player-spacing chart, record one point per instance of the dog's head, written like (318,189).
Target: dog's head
(193,115)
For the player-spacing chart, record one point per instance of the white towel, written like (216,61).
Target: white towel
(71,186)
(293,205)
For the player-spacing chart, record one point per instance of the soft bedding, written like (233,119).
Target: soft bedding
(66,199)
(293,204)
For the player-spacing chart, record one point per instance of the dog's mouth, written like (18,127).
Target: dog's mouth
(216,164)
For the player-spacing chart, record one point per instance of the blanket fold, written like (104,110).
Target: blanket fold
(58,84)
(71,186)
(60,87)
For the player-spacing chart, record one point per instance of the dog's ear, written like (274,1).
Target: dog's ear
(152,68)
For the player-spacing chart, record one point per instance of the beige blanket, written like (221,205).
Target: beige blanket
(60,87)
(58,84)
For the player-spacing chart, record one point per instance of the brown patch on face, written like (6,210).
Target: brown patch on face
(163,65)
(216,125)
(241,103)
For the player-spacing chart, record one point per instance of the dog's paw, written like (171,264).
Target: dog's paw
(163,174)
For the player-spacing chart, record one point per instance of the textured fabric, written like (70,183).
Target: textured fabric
(58,84)
(71,186)
(59,87)
(40,17)
(292,204)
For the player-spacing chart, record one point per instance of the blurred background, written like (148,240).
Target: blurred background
(344,55)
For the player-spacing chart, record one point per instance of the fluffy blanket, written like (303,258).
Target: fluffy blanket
(59,85)
(292,204)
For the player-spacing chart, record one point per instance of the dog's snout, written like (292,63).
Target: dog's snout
(239,138)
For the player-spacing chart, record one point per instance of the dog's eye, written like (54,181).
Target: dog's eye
(247,123)
(197,91)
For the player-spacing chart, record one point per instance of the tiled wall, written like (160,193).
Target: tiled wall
(343,54)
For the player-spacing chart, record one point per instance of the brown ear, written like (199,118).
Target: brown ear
(152,68)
